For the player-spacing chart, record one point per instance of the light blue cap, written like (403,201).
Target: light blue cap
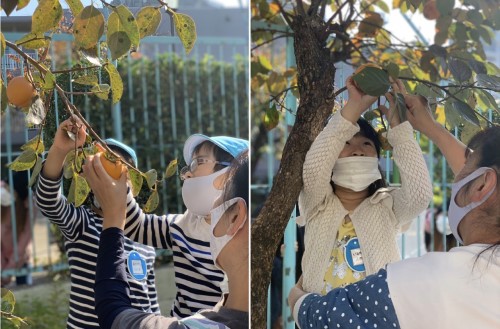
(125,148)
(231,145)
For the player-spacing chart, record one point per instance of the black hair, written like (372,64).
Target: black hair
(124,154)
(366,130)
(219,154)
(484,144)
(237,182)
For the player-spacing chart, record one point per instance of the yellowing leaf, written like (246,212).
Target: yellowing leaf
(36,171)
(123,32)
(468,131)
(35,144)
(171,169)
(440,115)
(148,20)
(186,29)
(136,179)
(89,80)
(88,27)
(4,101)
(152,202)
(101,91)
(75,6)
(22,3)
(33,41)
(8,301)
(24,161)
(271,118)
(116,83)
(2,44)
(78,191)
(151,177)
(50,81)
(47,16)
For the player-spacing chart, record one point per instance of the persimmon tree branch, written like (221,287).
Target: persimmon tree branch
(70,108)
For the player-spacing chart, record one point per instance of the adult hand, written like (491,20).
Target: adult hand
(419,114)
(391,113)
(111,194)
(357,103)
(62,141)
(295,293)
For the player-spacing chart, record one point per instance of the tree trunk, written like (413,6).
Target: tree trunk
(316,73)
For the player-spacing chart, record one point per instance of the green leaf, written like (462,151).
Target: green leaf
(393,70)
(445,7)
(36,171)
(24,161)
(427,91)
(22,4)
(486,33)
(78,191)
(69,166)
(372,81)
(9,6)
(116,83)
(152,202)
(4,100)
(148,21)
(136,179)
(89,80)
(33,41)
(171,169)
(477,66)
(460,70)
(75,6)
(486,101)
(88,27)
(439,51)
(2,44)
(383,6)
(488,81)
(8,301)
(50,81)
(123,32)
(466,112)
(271,118)
(47,16)
(151,177)
(129,24)
(101,91)
(35,144)
(453,118)
(186,30)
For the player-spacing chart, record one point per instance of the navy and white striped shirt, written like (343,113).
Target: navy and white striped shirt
(82,228)
(197,279)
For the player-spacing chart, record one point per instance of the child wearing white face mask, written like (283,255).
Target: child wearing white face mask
(352,218)
(197,279)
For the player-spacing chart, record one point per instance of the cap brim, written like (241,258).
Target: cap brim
(191,143)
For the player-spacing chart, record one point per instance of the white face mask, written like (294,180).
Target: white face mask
(199,193)
(217,243)
(356,172)
(457,213)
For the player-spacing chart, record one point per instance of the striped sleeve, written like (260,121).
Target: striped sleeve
(149,229)
(365,304)
(72,221)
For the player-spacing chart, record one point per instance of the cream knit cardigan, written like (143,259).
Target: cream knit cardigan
(377,220)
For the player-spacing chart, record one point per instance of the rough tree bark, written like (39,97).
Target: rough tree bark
(316,72)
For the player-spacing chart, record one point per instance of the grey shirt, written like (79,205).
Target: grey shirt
(220,318)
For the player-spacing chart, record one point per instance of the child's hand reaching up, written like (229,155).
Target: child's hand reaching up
(357,103)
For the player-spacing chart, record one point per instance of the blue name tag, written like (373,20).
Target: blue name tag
(352,255)
(136,265)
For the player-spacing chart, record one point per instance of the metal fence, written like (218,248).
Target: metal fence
(167,97)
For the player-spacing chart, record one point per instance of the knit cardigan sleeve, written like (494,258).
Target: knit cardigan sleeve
(416,189)
(319,163)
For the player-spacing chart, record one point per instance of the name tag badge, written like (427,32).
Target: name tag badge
(352,255)
(136,265)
